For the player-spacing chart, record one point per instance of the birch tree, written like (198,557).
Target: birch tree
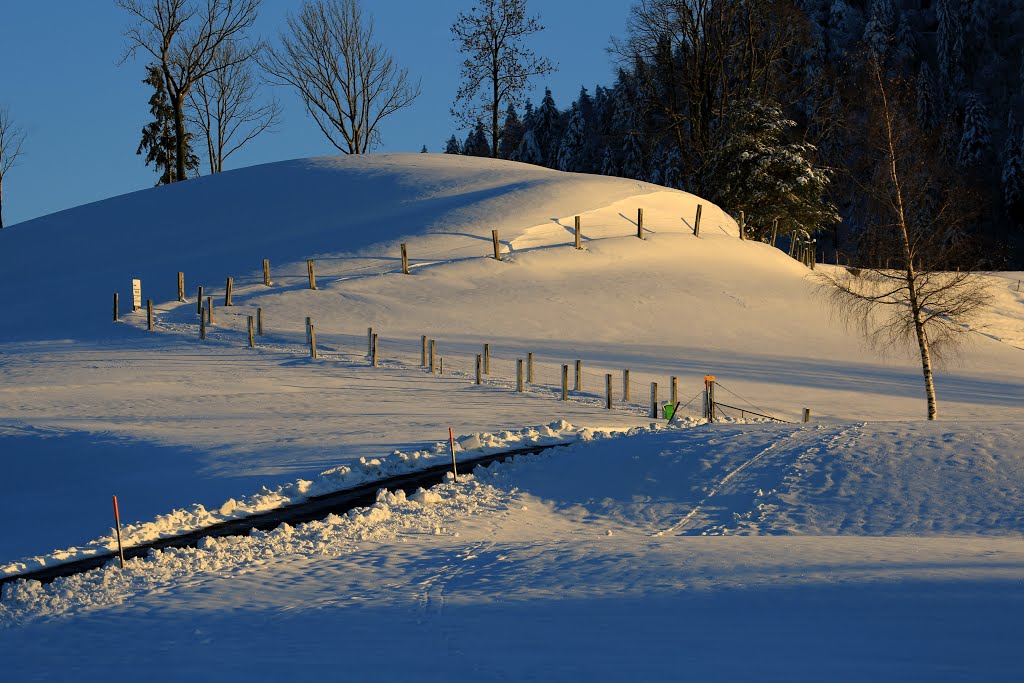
(12,138)
(348,82)
(916,300)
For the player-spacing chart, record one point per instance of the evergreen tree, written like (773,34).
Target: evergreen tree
(570,150)
(476,144)
(976,140)
(511,134)
(546,129)
(949,45)
(608,165)
(757,171)
(158,139)
(633,157)
(671,175)
(927,116)
(1013,178)
(424,150)
(529,151)
(453,146)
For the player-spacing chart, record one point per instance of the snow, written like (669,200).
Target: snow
(866,544)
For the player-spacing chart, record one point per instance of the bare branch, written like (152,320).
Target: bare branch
(12,140)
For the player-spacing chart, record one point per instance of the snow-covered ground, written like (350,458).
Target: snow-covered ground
(864,544)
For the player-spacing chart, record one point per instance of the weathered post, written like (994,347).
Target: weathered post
(696,221)
(431,366)
(654,399)
(202,324)
(529,368)
(578,384)
(309,326)
(252,333)
(625,385)
(423,351)
(565,382)
(259,321)
(227,292)
(117,525)
(199,301)
(487,359)
(497,245)
(608,391)
(312,342)
(149,314)
(373,353)
(743,224)
(181,286)
(115,307)
(209,310)
(807,414)
(640,223)
(369,341)
(709,398)
(136,295)
(579,245)
(775,230)
(311,270)
(519,375)
(479,369)
(266,272)
(674,390)
(405,260)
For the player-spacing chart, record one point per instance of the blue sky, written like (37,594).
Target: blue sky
(83,112)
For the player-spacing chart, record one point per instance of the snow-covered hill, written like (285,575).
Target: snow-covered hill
(186,432)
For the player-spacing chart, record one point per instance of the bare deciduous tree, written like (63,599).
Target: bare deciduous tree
(185,37)
(348,82)
(917,301)
(497,67)
(12,137)
(224,106)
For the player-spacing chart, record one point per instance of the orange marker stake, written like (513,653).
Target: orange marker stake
(117,525)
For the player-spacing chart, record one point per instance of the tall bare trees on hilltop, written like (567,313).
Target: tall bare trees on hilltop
(12,139)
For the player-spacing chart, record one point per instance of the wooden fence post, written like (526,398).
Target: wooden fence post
(807,414)
(431,356)
(497,246)
(674,390)
(423,351)
(149,314)
(440,365)
(529,368)
(181,286)
(227,292)
(252,334)
(625,385)
(117,525)
(405,260)
(578,244)
(519,375)
(373,353)
(369,341)
(640,223)
(654,399)
(209,310)
(199,301)
(775,230)
(696,221)
(312,342)
(266,272)
(309,326)
(202,323)
(578,384)
(115,307)
(565,382)
(259,321)
(312,273)
(479,367)
(814,252)
(487,359)
(608,391)
(743,224)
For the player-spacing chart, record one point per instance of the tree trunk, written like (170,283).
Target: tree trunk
(494,108)
(1,203)
(178,103)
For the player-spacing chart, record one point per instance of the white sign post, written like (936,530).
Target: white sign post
(136,294)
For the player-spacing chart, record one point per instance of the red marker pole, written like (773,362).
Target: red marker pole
(117,525)
(451,442)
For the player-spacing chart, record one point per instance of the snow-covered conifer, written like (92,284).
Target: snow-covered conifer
(927,116)
(632,157)
(546,129)
(476,144)
(453,146)
(1013,178)
(529,150)
(976,140)
(511,134)
(608,165)
(571,148)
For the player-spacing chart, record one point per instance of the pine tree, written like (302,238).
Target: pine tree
(453,146)
(529,151)
(949,45)
(976,140)
(476,144)
(546,129)
(424,150)
(633,157)
(1013,178)
(927,116)
(671,174)
(571,148)
(757,171)
(511,134)
(608,165)
(158,139)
